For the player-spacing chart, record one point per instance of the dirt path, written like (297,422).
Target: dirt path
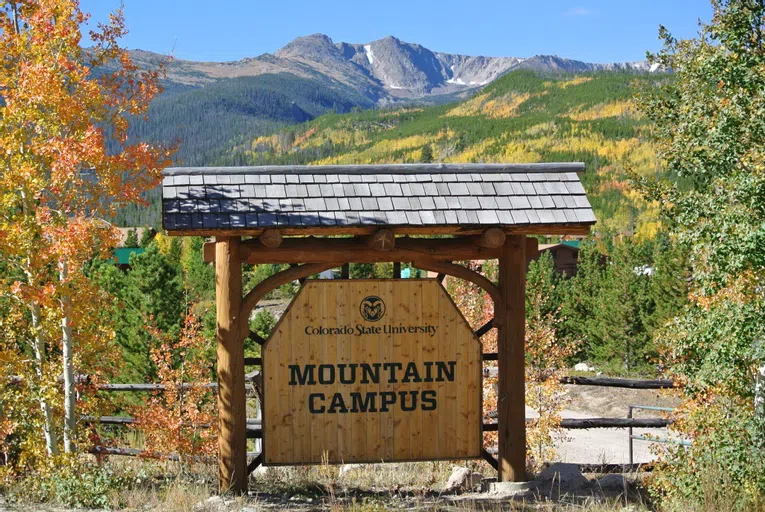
(610,445)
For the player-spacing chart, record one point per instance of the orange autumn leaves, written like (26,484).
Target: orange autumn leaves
(181,419)
(67,165)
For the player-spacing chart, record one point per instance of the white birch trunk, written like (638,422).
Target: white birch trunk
(759,393)
(38,346)
(68,364)
(51,442)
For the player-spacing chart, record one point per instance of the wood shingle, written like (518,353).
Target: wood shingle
(206,199)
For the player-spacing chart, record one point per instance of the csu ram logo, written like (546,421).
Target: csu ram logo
(372,308)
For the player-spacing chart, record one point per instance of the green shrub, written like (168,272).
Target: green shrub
(76,484)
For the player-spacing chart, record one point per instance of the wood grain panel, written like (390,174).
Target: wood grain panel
(371,371)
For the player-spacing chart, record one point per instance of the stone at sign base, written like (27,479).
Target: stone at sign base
(492,486)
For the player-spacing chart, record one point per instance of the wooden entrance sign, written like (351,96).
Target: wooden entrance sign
(382,393)
(371,371)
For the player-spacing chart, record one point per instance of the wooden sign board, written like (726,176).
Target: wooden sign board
(371,371)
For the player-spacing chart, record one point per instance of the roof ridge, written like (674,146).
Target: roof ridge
(439,168)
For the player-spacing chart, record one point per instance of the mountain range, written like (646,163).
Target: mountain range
(212,107)
(385,70)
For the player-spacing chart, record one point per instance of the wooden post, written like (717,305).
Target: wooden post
(397,270)
(512,330)
(232,437)
(345,271)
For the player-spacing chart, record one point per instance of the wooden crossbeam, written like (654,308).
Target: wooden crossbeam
(357,250)
(578,229)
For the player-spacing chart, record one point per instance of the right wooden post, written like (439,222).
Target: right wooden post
(512,368)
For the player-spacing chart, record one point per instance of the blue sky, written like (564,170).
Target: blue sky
(595,31)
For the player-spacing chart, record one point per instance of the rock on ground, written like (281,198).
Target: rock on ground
(564,477)
(613,482)
(213,504)
(346,468)
(462,479)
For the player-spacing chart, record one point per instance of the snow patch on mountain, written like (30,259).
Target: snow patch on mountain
(370,53)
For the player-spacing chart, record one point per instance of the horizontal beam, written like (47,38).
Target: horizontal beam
(609,382)
(619,383)
(579,228)
(252,423)
(585,423)
(134,452)
(323,250)
(249,377)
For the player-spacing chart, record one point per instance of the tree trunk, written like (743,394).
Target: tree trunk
(38,345)
(67,354)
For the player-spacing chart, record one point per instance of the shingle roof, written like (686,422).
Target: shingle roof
(206,199)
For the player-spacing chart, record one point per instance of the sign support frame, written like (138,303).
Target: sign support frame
(509,299)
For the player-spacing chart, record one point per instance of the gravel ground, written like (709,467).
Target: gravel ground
(610,445)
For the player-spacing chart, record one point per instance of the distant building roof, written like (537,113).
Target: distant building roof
(122,254)
(206,199)
(571,244)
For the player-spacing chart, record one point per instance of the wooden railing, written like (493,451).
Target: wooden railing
(569,423)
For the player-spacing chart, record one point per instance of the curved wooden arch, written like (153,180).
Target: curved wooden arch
(293,273)
(285,276)
(461,272)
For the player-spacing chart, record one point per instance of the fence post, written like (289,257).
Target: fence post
(629,416)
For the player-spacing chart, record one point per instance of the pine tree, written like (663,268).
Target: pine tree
(619,339)
(149,294)
(581,294)
(543,286)
(131,240)
(426,156)
(199,277)
(146,237)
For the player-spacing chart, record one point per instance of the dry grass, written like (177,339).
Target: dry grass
(169,486)
(175,497)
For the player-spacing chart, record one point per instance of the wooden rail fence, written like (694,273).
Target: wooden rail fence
(255,431)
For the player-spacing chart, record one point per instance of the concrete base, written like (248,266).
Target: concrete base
(495,487)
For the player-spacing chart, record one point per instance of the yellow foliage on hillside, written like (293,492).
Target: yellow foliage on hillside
(336,136)
(563,84)
(602,110)
(496,150)
(495,108)
(383,151)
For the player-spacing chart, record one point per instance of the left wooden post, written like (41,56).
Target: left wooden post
(232,415)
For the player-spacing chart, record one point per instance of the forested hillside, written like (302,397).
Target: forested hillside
(521,117)
(210,121)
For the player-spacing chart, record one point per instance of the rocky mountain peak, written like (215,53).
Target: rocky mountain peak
(314,46)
